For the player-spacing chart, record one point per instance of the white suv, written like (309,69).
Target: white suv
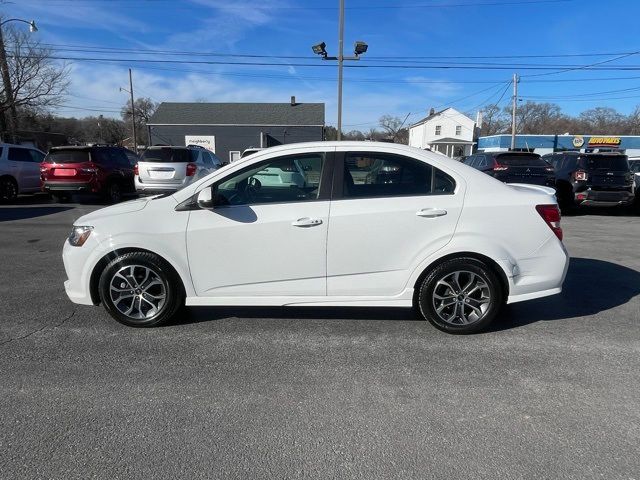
(424,231)
(169,168)
(19,170)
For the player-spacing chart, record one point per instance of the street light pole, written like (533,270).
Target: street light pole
(358,49)
(340,66)
(11,123)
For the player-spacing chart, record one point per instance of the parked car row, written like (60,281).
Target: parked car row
(106,170)
(580,179)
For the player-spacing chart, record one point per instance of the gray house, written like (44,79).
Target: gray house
(228,128)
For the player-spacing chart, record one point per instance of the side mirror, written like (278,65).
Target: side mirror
(205,198)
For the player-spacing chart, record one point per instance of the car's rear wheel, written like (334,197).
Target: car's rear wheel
(140,289)
(113,192)
(8,189)
(461,295)
(61,197)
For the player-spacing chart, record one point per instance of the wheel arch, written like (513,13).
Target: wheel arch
(491,263)
(94,279)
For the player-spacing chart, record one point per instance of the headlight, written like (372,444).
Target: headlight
(79,235)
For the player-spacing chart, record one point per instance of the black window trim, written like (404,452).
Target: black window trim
(337,192)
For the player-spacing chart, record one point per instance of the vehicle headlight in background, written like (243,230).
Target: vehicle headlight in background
(79,235)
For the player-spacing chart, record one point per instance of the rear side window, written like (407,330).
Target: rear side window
(635,166)
(167,155)
(602,162)
(387,175)
(67,156)
(19,155)
(521,161)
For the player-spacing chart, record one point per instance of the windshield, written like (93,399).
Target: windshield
(521,161)
(166,155)
(67,156)
(605,162)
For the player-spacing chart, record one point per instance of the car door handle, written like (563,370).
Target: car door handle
(306,222)
(431,212)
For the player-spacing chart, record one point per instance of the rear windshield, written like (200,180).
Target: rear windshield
(605,162)
(67,156)
(166,155)
(521,161)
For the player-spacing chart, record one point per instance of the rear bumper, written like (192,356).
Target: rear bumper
(156,187)
(603,198)
(68,186)
(540,275)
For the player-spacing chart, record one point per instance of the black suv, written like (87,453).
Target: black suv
(513,167)
(592,179)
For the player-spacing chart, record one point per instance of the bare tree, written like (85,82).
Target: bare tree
(394,129)
(37,82)
(144,109)
(494,120)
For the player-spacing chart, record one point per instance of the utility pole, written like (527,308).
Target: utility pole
(133,115)
(513,110)
(340,62)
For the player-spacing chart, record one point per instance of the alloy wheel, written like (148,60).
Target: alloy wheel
(138,292)
(461,298)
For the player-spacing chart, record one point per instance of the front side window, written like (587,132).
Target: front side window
(388,175)
(294,178)
(438,129)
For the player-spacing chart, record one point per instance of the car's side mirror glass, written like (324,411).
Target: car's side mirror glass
(205,198)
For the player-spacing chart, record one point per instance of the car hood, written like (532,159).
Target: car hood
(119,209)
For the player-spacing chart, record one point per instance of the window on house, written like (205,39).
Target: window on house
(438,129)
(458,130)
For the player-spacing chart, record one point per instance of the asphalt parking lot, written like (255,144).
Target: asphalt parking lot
(550,392)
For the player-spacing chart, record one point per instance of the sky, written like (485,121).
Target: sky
(579,54)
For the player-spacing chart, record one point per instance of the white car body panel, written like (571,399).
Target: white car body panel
(365,252)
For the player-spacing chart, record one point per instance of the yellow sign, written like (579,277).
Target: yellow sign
(604,141)
(578,141)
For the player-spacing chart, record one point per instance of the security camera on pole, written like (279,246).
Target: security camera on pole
(359,48)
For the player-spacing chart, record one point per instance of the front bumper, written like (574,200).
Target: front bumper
(78,264)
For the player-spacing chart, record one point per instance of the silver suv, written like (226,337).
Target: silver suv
(19,170)
(169,168)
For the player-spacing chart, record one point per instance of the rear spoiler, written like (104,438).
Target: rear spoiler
(535,188)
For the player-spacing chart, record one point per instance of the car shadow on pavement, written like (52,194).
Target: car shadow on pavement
(591,286)
(8,214)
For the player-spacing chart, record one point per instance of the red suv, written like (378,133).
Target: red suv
(101,169)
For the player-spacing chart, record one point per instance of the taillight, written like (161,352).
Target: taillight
(500,168)
(191,169)
(549,169)
(43,169)
(551,215)
(135,170)
(580,175)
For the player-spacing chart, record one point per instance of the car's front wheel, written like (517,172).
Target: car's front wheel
(461,295)
(140,289)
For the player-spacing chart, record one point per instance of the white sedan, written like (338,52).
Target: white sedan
(426,231)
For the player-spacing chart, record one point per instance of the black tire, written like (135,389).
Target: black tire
(113,192)
(8,189)
(463,311)
(132,266)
